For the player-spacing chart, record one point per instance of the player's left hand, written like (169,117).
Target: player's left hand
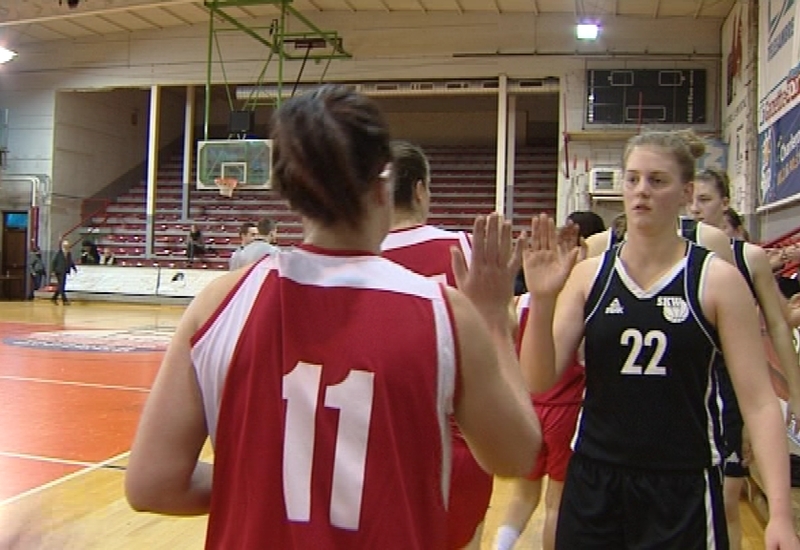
(780,535)
(496,260)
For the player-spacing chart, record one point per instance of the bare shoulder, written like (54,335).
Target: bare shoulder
(210,298)
(756,257)
(723,282)
(597,244)
(720,271)
(715,240)
(583,273)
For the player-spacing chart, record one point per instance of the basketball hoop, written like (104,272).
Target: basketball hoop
(226,186)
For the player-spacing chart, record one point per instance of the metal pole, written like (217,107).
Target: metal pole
(207,113)
(502,123)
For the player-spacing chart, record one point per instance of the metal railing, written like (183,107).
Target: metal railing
(103,209)
(789,238)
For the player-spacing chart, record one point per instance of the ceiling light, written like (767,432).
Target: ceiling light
(587,31)
(6,55)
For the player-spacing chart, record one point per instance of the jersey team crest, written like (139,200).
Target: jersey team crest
(674,308)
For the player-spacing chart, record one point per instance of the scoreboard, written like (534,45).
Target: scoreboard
(646,96)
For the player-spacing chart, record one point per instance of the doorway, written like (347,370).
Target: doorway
(14,257)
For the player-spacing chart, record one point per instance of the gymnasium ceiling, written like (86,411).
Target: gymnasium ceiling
(43,20)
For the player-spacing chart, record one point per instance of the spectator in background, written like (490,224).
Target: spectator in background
(107,257)
(247,234)
(262,245)
(194,243)
(89,253)
(61,266)
(37,270)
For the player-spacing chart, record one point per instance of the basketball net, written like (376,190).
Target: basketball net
(226,186)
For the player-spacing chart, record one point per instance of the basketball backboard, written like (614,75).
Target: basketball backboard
(247,160)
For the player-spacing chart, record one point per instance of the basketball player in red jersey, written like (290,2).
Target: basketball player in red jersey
(324,374)
(558,410)
(426,250)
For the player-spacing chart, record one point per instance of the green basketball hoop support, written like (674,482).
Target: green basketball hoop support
(326,45)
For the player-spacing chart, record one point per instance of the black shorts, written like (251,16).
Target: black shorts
(732,428)
(614,508)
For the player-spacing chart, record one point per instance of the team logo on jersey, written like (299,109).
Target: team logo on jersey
(615,307)
(733,459)
(674,308)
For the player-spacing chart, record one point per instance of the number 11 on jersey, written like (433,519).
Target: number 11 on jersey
(353,398)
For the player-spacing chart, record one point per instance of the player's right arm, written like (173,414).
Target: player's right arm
(164,473)
(492,408)
(554,331)
(555,317)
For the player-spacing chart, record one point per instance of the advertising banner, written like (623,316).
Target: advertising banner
(779,158)
(100,279)
(185,283)
(778,42)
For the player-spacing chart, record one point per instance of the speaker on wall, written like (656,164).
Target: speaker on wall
(241,122)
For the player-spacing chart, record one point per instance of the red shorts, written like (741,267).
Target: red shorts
(558,426)
(470,492)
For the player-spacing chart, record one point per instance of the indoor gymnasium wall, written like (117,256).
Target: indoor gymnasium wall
(779,117)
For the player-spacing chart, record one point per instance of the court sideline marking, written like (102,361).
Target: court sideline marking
(68,477)
(71,383)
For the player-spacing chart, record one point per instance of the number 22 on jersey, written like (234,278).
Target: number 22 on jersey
(353,398)
(633,337)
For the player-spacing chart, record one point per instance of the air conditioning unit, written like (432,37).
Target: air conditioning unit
(605,181)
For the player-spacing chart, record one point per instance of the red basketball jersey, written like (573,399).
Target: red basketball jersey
(569,388)
(425,249)
(326,381)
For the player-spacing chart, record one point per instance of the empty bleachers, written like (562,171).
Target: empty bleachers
(462,185)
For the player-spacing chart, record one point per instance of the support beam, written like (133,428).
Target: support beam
(275,38)
(152,169)
(188,152)
(511,154)
(176,16)
(699,10)
(502,137)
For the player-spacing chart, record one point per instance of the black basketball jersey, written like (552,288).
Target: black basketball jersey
(688,229)
(652,396)
(613,239)
(740,261)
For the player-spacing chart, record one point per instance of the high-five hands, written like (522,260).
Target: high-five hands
(496,258)
(549,256)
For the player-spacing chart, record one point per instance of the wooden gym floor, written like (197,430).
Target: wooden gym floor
(73,380)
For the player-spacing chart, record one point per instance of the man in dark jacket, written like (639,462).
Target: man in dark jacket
(62,264)
(36,270)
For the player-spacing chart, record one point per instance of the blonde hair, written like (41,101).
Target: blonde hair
(684,145)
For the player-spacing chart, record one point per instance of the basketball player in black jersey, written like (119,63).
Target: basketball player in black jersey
(655,311)
(710,200)
(700,233)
